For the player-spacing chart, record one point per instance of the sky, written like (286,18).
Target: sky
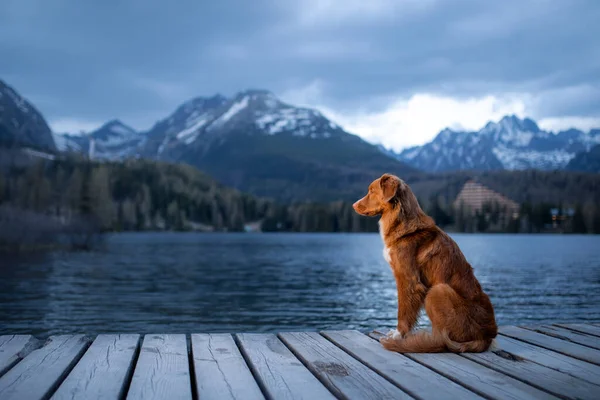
(395,72)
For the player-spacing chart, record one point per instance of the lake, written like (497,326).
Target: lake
(188,282)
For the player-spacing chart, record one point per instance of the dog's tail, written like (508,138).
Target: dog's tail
(427,342)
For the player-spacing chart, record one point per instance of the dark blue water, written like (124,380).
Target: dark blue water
(178,282)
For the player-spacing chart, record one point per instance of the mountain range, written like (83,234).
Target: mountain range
(257,143)
(253,142)
(509,144)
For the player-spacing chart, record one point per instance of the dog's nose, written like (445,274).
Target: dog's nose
(355,205)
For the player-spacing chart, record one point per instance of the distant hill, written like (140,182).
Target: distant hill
(112,141)
(510,144)
(152,195)
(21,124)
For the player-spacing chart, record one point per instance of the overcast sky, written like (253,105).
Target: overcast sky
(392,71)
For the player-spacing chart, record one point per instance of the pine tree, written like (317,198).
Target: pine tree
(144,207)
(59,192)
(461,218)
(215,212)
(2,189)
(237,220)
(42,195)
(128,215)
(85,202)
(579,225)
(100,198)
(173,216)
(74,191)
(595,223)
(435,211)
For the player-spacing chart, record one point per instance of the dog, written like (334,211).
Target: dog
(431,271)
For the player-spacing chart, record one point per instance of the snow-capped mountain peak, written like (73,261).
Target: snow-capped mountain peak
(250,112)
(112,140)
(113,131)
(510,143)
(512,131)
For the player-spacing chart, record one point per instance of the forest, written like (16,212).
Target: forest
(41,201)
(139,195)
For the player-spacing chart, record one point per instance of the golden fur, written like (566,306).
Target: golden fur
(430,270)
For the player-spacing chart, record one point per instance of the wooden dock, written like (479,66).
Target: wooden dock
(549,361)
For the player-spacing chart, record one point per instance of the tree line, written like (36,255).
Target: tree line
(139,195)
(82,197)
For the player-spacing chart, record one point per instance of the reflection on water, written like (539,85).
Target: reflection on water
(178,282)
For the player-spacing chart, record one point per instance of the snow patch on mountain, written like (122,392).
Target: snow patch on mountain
(233,110)
(190,134)
(298,121)
(525,159)
(65,143)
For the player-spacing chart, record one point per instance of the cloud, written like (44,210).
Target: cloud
(563,123)
(309,95)
(421,117)
(391,70)
(398,122)
(333,12)
(229,51)
(162,89)
(582,100)
(322,51)
(414,120)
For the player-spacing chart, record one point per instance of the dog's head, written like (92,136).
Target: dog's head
(385,194)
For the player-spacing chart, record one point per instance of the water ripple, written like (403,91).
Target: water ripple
(177,282)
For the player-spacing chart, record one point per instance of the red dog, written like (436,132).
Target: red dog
(429,269)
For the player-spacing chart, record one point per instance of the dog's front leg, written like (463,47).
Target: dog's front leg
(411,292)
(410,300)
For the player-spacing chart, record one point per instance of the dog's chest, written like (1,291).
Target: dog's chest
(386,250)
(386,254)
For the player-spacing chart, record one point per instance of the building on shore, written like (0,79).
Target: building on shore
(490,208)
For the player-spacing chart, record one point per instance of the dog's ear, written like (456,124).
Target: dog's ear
(389,186)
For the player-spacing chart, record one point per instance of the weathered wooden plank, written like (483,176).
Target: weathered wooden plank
(537,375)
(38,374)
(103,371)
(584,328)
(487,382)
(548,342)
(567,334)
(412,377)
(13,348)
(221,371)
(280,374)
(162,370)
(560,362)
(478,378)
(341,373)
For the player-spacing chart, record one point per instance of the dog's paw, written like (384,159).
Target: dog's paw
(385,339)
(394,334)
